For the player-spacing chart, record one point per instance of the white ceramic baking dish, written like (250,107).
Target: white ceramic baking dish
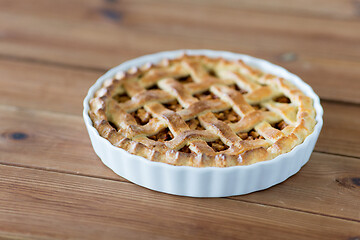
(209,181)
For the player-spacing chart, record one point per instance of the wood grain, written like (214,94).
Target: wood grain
(42,32)
(96,208)
(43,87)
(346,9)
(58,142)
(50,141)
(341,130)
(327,184)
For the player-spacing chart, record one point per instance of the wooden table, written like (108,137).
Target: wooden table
(53,186)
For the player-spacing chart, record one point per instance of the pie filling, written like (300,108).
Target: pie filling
(153,87)
(185,79)
(194,124)
(141,116)
(251,135)
(258,107)
(228,116)
(123,97)
(173,106)
(280,125)
(282,99)
(211,72)
(185,149)
(218,145)
(236,87)
(206,96)
(162,136)
(113,125)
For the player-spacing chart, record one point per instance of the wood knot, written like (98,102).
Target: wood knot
(14,135)
(288,57)
(348,182)
(354,238)
(356,5)
(18,135)
(111,14)
(356,181)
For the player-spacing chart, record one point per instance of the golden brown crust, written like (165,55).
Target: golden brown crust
(161,112)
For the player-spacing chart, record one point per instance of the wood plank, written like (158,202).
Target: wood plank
(341,130)
(320,8)
(43,87)
(327,184)
(59,142)
(331,79)
(345,9)
(317,49)
(156,23)
(36,203)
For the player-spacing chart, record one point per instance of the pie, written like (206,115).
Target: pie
(202,112)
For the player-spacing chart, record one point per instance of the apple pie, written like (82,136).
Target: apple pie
(202,112)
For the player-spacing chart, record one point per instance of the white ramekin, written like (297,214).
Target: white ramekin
(209,181)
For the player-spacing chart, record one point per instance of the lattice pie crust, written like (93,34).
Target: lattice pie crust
(199,111)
